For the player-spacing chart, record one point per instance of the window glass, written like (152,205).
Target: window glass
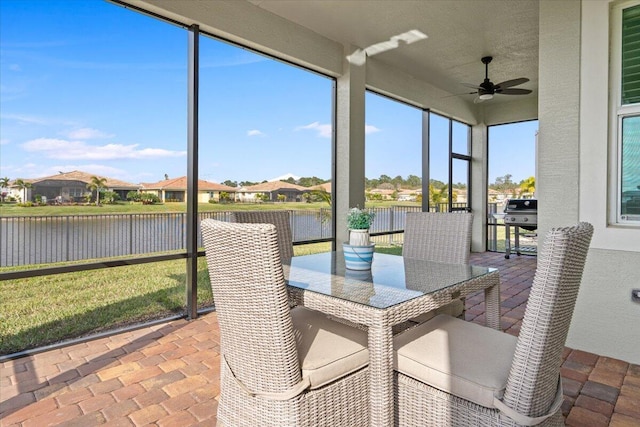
(89,90)
(460,138)
(448,139)
(625,72)
(460,184)
(630,206)
(261,120)
(438,161)
(393,136)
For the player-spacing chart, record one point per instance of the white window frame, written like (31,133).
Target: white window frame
(618,112)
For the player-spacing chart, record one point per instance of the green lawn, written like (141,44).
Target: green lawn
(43,310)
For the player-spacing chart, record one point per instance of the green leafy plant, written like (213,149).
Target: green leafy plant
(149,199)
(360,219)
(110,197)
(133,196)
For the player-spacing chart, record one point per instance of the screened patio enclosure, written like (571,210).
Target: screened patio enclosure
(370,45)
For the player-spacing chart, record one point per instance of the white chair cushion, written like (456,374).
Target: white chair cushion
(327,350)
(461,358)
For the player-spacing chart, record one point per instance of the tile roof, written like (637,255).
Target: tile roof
(86,178)
(326,187)
(181,184)
(273,186)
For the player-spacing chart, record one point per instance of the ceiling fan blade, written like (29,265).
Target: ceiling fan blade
(471,85)
(514,82)
(513,91)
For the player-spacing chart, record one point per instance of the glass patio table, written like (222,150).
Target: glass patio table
(395,290)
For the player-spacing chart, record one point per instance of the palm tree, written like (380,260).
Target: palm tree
(323,195)
(96,185)
(4,183)
(438,196)
(528,186)
(22,186)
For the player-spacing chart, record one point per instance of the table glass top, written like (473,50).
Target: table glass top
(392,279)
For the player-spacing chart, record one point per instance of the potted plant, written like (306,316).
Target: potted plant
(358,253)
(359,222)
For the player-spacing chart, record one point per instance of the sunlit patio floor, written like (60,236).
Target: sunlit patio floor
(168,374)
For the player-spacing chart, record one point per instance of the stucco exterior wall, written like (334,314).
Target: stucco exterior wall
(605,318)
(573,149)
(558,114)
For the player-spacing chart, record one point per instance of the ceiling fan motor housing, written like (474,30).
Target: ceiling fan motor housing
(486,88)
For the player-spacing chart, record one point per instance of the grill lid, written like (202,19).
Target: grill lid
(519,205)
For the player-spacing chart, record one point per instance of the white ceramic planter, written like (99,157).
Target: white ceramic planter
(359,237)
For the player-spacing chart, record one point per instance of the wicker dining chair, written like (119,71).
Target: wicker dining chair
(440,237)
(456,373)
(279,366)
(278,218)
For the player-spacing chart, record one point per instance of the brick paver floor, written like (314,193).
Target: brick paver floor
(168,374)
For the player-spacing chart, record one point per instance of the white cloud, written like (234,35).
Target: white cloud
(370,129)
(324,130)
(24,119)
(254,132)
(78,150)
(20,170)
(87,133)
(4,141)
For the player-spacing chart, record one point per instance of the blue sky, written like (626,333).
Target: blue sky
(88,85)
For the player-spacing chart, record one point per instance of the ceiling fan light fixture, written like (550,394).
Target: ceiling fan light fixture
(487,88)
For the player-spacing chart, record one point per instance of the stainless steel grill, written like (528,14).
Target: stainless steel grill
(519,213)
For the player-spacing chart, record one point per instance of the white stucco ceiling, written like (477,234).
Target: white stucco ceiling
(459,32)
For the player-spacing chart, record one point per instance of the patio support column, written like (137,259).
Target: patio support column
(557,182)
(479,185)
(192,173)
(350,150)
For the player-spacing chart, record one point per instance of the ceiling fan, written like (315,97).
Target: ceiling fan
(487,89)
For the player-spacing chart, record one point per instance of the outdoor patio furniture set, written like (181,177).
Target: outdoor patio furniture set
(286,361)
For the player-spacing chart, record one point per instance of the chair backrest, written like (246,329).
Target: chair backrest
(534,375)
(278,218)
(247,281)
(438,236)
